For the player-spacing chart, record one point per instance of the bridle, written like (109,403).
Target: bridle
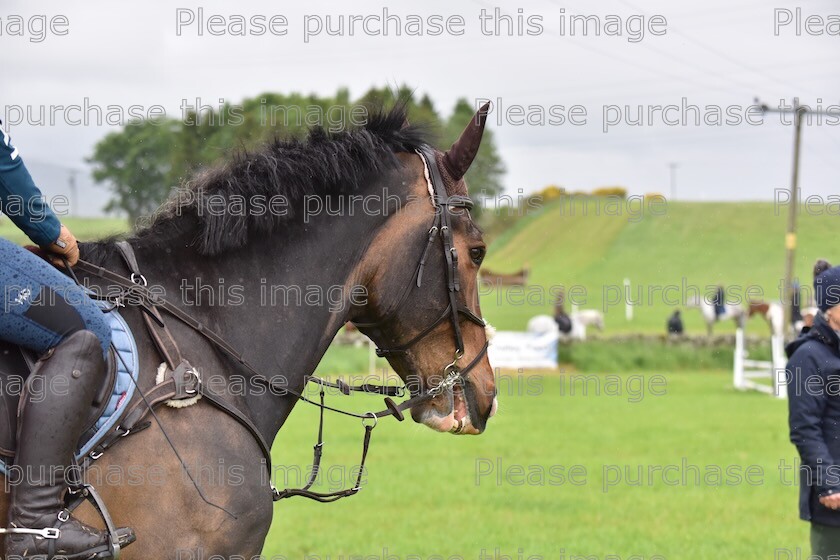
(441,228)
(136,293)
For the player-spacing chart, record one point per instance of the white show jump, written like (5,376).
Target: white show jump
(759,375)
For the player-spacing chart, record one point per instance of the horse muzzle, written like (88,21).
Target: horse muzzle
(456,411)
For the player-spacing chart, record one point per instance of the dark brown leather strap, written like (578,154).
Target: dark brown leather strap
(441,227)
(326,497)
(168,390)
(449,252)
(161,337)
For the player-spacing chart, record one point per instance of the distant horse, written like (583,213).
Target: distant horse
(583,318)
(518,278)
(589,318)
(772,312)
(542,324)
(707,310)
(350,335)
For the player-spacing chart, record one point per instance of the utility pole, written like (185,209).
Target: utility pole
(73,192)
(673,166)
(798,111)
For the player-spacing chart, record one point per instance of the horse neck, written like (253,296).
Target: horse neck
(275,299)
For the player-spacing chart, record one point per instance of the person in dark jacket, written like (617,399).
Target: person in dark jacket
(564,322)
(675,324)
(719,301)
(813,372)
(45,311)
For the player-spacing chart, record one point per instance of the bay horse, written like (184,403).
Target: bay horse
(773,314)
(518,278)
(224,246)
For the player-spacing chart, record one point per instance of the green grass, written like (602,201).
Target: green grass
(734,244)
(85,229)
(650,355)
(594,355)
(422,498)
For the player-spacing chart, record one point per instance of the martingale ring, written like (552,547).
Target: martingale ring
(369,420)
(139,279)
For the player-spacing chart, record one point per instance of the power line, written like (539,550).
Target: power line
(828,135)
(656,85)
(714,16)
(821,156)
(626,61)
(719,53)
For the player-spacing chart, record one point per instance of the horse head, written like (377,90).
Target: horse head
(421,272)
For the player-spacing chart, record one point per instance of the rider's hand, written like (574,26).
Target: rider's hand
(65,246)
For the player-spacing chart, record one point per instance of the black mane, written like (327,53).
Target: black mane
(324,164)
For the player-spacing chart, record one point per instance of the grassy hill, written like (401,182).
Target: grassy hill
(691,244)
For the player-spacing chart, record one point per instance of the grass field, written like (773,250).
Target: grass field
(431,495)
(435,495)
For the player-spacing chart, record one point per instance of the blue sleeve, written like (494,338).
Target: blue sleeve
(806,405)
(21,200)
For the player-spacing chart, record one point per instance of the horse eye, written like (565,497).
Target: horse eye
(477,255)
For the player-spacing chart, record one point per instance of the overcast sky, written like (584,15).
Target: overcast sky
(711,53)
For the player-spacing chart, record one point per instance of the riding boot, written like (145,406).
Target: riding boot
(52,420)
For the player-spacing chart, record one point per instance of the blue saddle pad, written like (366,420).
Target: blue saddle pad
(128,366)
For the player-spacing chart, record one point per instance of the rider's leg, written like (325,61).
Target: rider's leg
(40,306)
(54,410)
(42,309)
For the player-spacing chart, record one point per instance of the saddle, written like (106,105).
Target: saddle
(17,363)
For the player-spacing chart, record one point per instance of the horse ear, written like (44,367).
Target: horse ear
(820,266)
(462,153)
(405,124)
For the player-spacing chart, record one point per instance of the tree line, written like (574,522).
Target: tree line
(141,163)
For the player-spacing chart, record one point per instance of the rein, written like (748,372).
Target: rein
(136,293)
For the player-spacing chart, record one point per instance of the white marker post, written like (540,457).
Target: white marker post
(628,306)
